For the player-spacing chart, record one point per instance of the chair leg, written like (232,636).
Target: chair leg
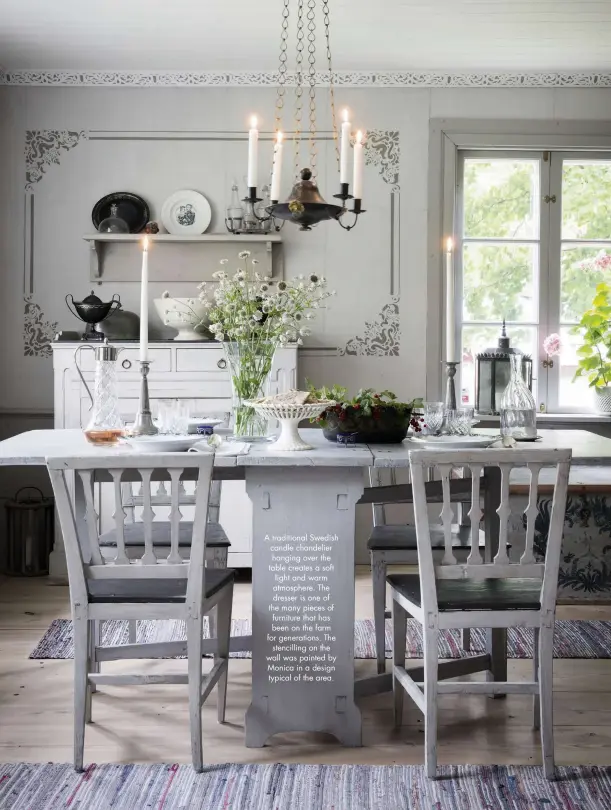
(194,654)
(399,631)
(466,639)
(81,659)
(95,640)
(431,666)
(132,630)
(223,634)
(378,575)
(546,691)
(536,698)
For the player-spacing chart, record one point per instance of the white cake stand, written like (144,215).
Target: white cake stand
(289,417)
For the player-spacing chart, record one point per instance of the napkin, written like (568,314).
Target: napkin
(216,444)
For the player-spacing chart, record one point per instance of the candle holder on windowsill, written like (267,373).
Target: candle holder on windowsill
(143,424)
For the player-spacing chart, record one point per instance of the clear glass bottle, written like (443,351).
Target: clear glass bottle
(235,212)
(265,223)
(517,407)
(113,223)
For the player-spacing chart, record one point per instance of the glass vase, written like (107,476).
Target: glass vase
(517,407)
(250,363)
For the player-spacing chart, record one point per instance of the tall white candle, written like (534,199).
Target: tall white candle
(450,312)
(253,142)
(357,181)
(277,169)
(144,302)
(344,153)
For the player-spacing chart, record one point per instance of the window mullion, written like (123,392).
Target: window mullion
(552,321)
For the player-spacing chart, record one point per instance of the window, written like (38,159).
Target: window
(533,230)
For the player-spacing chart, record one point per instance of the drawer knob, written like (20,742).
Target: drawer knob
(126,364)
(222,363)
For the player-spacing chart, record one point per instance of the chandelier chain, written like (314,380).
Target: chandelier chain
(311,17)
(282,65)
(325,11)
(298,85)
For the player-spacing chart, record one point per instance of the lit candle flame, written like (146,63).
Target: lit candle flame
(449,245)
(359,136)
(279,137)
(345,114)
(253,122)
(145,244)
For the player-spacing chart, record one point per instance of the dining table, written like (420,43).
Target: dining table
(303,569)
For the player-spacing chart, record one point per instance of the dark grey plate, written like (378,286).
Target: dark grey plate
(130,207)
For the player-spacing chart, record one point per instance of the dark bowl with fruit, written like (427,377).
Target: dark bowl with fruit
(368,418)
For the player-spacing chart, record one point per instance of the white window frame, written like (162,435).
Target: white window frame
(447,139)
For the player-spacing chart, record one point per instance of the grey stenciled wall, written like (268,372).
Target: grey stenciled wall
(61,148)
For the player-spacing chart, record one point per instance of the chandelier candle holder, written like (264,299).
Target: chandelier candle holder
(305,205)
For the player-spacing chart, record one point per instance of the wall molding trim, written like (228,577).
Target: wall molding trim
(421,78)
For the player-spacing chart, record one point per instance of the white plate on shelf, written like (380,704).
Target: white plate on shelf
(453,442)
(186,212)
(162,444)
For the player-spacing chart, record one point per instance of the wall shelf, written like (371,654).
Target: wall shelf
(262,246)
(168,237)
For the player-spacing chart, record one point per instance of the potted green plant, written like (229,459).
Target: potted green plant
(594,354)
(369,416)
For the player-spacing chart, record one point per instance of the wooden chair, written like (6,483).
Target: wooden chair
(217,542)
(149,587)
(395,544)
(500,593)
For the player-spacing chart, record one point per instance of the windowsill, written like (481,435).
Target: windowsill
(556,417)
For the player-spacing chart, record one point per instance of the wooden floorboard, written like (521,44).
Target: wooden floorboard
(133,724)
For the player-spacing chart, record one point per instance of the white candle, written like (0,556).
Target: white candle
(357,181)
(253,141)
(344,154)
(144,302)
(450,312)
(277,168)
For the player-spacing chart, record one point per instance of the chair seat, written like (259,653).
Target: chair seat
(134,590)
(402,537)
(469,594)
(134,534)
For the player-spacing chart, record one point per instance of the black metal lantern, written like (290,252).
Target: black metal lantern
(492,373)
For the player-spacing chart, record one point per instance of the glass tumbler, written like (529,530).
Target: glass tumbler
(459,422)
(433,417)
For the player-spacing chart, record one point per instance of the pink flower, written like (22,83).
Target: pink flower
(600,262)
(552,345)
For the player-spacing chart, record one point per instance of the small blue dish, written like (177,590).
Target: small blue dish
(205,430)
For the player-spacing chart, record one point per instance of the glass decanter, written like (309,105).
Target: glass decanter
(517,407)
(113,223)
(105,425)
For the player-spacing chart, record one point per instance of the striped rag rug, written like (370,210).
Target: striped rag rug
(300,787)
(573,639)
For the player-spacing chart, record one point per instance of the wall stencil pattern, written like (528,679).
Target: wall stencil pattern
(37,331)
(382,149)
(380,338)
(391,78)
(43,147)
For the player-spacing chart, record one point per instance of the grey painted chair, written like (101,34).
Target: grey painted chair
(217,542)
(480,593)
(152,586)
(395,544)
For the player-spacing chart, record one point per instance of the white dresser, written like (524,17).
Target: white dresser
(193,371)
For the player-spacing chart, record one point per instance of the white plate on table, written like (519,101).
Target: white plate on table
(186,212)
(162,444)
(453,442)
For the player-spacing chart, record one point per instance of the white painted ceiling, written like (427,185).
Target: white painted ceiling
(243,35)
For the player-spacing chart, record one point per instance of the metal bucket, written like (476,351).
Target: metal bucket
(29,534)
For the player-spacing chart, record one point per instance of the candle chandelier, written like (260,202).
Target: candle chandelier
(305,206)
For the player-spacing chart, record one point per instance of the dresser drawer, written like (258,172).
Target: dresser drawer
(198,360)
(128,360)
